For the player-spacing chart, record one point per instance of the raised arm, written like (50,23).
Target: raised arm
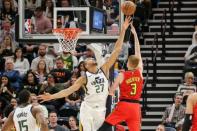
(39,115)
(137,48)
(66,92)
(117,48)
(116,83)
(9,123)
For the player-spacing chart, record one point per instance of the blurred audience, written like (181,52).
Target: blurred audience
(61,74)
(160,127)
(30,82)
(42,56)
(42,23)
(13,75)
(73,123)
(174,113)
(20,63)
(53,125)
(188,87)
(6,90)
(191,55)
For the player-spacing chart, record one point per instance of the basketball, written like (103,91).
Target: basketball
(128,8)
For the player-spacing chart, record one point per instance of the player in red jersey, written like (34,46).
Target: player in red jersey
(130,83)
(190,120)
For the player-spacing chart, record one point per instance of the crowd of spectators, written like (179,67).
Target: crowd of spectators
(173,117)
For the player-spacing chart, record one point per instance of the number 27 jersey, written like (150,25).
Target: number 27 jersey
(131,86)
(97,87)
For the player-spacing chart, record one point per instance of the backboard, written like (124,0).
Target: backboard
(98,24)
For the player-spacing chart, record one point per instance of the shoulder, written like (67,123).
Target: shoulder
(35,109)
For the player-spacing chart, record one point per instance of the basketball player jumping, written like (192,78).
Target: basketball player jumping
(26,117)
(130,83)
(190,121)
(93,108)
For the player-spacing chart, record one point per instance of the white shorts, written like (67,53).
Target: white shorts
(91,118)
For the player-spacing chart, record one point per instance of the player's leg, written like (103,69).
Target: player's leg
(134,121)
(134,125)
(116,117)
(86,118)
(99,118)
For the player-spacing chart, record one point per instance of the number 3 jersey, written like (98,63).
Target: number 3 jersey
(96,89)
(131,87)
(24,120)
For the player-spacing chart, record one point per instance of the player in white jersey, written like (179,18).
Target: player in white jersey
(26,117)
(93,108)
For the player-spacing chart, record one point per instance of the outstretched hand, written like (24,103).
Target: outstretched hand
(127,22)
(45,97)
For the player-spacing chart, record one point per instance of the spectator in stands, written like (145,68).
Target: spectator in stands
(10,107)
(80,70)
(148,8)
(34,101)
(7,29)
(70,61)
(8,11)
(61,74)
(73,123)
(160,127)
(112,10)
(48,7)
(174,113)
(32,4)
(53,122)
(42,56)
(191,55)
(13,75)
(7,47)
(31,82)
(30,51)
(43,24)
(51,87)
(188,87)
(41,71)
(73,101)
(20,63)
(64,3)
(6,91)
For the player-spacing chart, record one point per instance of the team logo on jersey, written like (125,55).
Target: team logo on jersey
(97,80)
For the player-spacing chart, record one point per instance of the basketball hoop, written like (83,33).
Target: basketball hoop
(67,38)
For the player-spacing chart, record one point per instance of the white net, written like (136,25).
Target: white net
(67,38)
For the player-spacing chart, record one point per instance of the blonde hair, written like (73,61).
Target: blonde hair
(189,74)
(133,61)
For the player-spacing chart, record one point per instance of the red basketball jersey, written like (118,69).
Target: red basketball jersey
(194,119)
(131,87)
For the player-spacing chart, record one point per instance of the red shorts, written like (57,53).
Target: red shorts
(128,112)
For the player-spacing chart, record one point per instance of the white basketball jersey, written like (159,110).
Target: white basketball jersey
(97,89)
(24,120)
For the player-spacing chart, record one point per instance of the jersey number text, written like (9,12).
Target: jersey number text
(133,89)
(99,88)
(23,126)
